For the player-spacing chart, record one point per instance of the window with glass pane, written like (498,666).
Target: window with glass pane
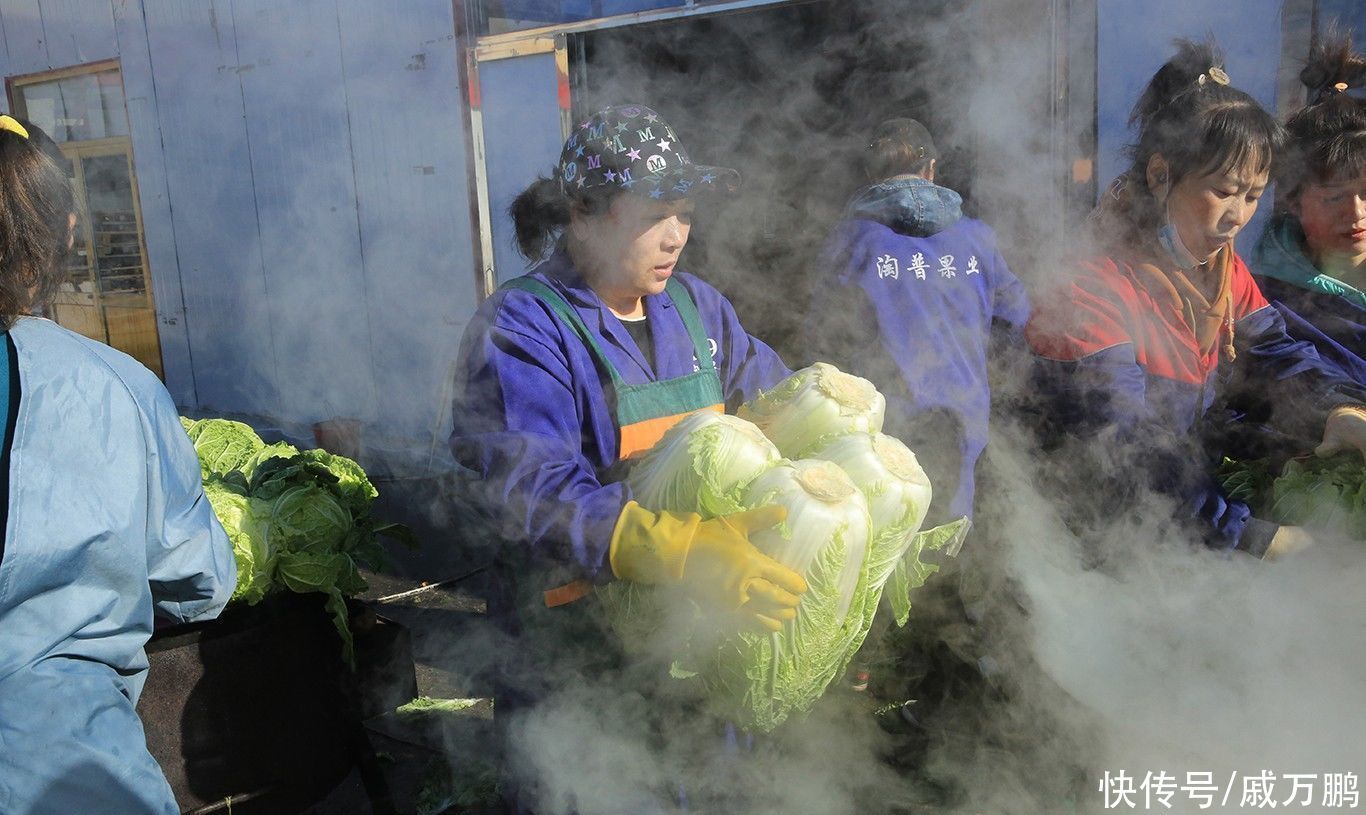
(78,108)
(108,295)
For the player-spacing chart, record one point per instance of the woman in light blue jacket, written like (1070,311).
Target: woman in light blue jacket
(104,525)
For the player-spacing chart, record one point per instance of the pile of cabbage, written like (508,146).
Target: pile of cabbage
(1326,494)
(298,519)
(855,501)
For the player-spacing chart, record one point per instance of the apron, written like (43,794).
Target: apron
(643,412)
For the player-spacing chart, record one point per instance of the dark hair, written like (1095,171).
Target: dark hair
(1197,121)
(36,204)
(541,212)
(887,157)
(1327,135)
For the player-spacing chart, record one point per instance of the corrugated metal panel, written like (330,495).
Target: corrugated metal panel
(400,62)
(78,31)
(212,203)
(290,66)
(159,233)
(24,38)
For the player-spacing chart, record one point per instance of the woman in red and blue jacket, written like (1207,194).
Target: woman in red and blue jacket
(1135,345)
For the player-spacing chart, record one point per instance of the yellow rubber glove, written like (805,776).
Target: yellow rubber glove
(713,561)
(1345,429)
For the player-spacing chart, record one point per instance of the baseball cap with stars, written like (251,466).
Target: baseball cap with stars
(632,148)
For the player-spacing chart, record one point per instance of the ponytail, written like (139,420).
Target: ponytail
(1327,135)
(541,212)
(1333,67)
(1197,120)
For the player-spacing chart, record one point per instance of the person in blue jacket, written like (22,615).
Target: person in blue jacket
(572,369)
(915,291)
(1134,346)
(1310,261)
(105,524)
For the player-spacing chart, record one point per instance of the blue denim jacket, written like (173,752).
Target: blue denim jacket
(910,205)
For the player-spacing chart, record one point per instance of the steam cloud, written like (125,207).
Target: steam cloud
(1139,653)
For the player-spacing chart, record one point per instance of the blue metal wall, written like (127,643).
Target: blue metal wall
(302,169)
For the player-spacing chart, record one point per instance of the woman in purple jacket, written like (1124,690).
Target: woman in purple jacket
(579,365)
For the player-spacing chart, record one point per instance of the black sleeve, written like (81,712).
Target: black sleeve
(11,415)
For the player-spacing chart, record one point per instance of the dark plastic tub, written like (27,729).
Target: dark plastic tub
(258,707)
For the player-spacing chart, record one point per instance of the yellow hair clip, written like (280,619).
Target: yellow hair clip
(11,124)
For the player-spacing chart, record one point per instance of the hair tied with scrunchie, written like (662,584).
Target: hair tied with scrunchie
(11,124)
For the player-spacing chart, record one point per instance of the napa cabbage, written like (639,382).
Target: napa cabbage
(1327,494)
(759,679)
(898,494)
(813,406)
(1322,493)
(702,464)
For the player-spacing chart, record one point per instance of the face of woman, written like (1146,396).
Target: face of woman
(1208,209)
(1334,219)
(630,251)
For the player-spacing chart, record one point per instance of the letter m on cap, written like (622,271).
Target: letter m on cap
(594,161)
(648,134)
(595,132)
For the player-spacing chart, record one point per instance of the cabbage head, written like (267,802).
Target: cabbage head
(702,464)
(898,494)
(309,518)
(222,445)
(758,680)
(813,406)
(246,520)
(353,487)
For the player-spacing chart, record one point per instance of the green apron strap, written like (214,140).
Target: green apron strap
(692,321)
(567,313)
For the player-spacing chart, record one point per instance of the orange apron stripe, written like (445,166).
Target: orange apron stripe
(568,593)
(641,436)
